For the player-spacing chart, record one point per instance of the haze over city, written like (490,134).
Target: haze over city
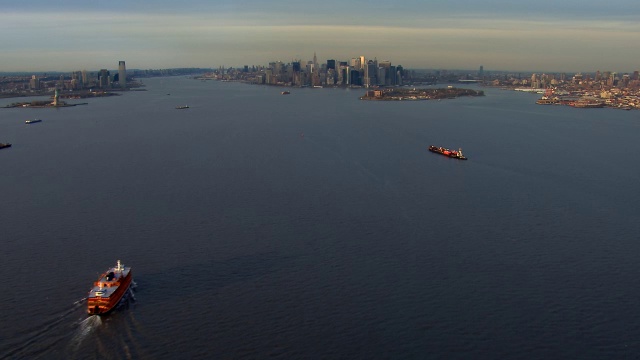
(462,34)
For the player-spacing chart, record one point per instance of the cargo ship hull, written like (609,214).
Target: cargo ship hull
(109,290)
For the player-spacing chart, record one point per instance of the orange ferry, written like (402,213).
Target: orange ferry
(446,152)
(109,289)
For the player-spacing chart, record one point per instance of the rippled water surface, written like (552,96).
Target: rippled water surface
(315,225)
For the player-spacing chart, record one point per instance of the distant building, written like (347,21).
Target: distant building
(77,76)
(122,74)
(384,73)
(382,76)
(370,74)
(355,63)
(104,79)
(85,78)
(34,83)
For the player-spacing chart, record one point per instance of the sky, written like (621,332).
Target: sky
(508,35)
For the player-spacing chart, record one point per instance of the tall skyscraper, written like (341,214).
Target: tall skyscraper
(122,74)
(104,78)
(85,79)
(370,74)
(34,84)
(355,63)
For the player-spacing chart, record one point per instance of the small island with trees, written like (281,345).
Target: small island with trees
(396,94)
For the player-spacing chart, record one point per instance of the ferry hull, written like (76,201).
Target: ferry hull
(109,290)
(101,305)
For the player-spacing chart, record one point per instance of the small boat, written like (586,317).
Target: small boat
(109,289)
(446,152)
(182,107)
(285,93)
(4,145)
(32,121)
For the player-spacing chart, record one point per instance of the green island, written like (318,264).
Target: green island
(396,94)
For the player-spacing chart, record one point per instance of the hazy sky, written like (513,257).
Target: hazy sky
(541,35)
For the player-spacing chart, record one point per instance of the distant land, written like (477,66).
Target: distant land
(184,71)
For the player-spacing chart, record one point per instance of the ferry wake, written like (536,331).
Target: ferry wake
(109,289)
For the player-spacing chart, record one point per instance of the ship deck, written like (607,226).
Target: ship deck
(109,285)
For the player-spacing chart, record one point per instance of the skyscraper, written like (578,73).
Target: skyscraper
(34,84)
(370,74)
(85,79)
(355,63)
(122,74)
(104,78)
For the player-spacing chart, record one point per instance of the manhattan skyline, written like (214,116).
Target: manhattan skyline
(501,35)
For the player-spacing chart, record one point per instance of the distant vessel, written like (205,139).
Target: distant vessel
(109,289)
(32,121)
(285,93)
(182,107)
(3,145)
(546,101)
(587,104)
(446,152)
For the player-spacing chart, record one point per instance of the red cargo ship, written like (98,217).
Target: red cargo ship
(109,289)
(447,152)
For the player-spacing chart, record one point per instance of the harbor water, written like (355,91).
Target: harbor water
(316,225)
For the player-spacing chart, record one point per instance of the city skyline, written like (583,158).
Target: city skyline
(498,34)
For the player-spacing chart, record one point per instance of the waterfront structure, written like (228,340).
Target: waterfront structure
(122,74)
